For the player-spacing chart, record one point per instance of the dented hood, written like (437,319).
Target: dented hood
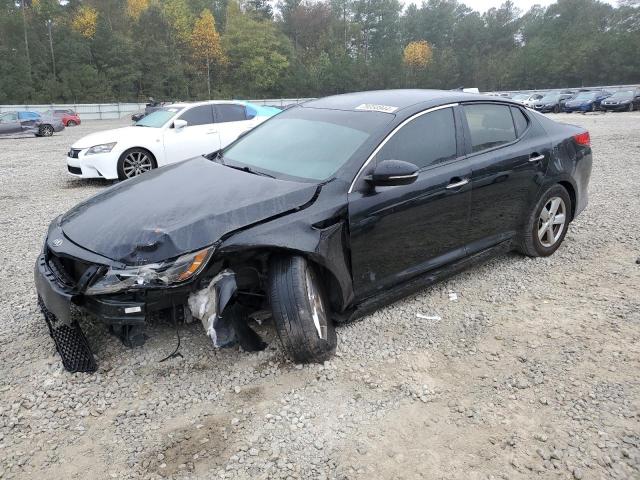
(178,209)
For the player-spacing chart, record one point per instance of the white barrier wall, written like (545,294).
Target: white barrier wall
(109,111)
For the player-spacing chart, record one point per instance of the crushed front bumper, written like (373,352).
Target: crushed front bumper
(62,304)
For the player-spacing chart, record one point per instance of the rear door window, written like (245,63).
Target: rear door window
(425,141)
(200,115)
(230,113)
(489,125)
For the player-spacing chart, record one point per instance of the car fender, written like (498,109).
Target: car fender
(320,237)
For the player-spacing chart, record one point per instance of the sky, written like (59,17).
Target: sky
(524,5)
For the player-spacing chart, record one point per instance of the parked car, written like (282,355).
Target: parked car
(319,215)
(587,101)
(552,102)
(527,99)
(68,117)
(20,123)
(622,100)
(170,134)
(151,107)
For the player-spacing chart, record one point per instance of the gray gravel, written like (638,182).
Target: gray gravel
(531,372)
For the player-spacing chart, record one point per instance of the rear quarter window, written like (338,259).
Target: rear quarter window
(520,120)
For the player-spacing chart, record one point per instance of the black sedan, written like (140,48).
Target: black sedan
(622,101)
(321,214)
(553,102)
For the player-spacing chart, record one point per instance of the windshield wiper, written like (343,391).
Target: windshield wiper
(249,170)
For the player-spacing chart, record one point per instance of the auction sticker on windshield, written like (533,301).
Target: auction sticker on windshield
(372,107)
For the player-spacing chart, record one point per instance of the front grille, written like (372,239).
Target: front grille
(74,170)
(74,152)
(67,270)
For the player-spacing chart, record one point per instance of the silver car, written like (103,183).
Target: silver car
(19,123)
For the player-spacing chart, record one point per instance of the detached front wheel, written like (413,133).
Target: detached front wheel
(300,310)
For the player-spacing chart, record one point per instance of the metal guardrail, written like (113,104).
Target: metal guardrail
(112,111)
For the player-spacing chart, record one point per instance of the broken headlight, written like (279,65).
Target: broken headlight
(162,274)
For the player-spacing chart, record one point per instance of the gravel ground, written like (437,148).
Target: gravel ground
(532,372)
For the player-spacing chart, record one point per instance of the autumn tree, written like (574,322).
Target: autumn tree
(417,55)
(205,44)
(85,21)
(136,7)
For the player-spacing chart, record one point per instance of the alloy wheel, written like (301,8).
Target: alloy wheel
(136,163)
(46,130)
(551,221)
(71,123)
(316,303)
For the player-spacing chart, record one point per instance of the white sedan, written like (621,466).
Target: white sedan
(170,134)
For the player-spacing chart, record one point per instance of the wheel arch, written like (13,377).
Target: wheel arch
(154,157)
(336,291)
(572,195)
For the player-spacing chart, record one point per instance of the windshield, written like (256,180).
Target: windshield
(306,143)
(157,118)
(550,98)
(626,95)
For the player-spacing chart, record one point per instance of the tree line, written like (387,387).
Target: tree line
(126,50)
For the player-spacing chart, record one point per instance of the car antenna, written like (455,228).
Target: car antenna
(175,353)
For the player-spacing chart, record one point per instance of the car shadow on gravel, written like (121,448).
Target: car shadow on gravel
(72,184)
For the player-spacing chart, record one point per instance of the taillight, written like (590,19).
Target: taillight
(583,139)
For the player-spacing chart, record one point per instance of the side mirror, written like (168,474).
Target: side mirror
(179,124)
(390,173)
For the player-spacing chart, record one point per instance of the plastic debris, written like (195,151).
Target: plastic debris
(435,318)
(206,305)
(453,296)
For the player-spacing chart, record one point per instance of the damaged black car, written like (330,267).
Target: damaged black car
(319,215)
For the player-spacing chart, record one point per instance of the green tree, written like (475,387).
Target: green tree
(258,53)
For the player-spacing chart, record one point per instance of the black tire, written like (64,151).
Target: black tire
(71,123)
(293,311)
(593,107)
(631,107)
(530,244)
(45,130)
(556,109)
(136,150)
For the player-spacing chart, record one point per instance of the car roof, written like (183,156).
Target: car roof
(395,100)
(206,102)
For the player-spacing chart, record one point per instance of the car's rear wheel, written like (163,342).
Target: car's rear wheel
(631,107)
(71,123)
(547,224)
(556,109)
(45,130)
(300,310)
(134,162)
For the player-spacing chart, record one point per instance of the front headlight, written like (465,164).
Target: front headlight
(163,274)
(104,148)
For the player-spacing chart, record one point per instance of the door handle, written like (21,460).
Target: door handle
(209,132)
(536,158)
(458,184)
